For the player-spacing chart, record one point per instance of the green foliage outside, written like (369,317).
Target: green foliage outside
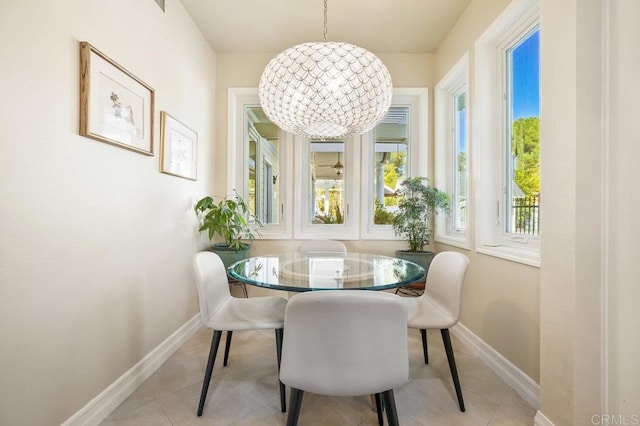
(525,145)
(334,216)
(391,175)
(251,198)
(397,161)
(461,101)
(462,162)
(382,216)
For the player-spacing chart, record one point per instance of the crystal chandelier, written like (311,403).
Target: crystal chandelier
(325,89)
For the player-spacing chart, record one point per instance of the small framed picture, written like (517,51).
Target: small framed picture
(178,148)
(116,107)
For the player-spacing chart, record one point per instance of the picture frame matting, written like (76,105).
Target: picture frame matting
(178,148)
(116,107)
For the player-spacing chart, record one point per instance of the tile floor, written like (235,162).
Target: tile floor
(245,392)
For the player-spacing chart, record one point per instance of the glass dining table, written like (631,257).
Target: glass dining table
(299,272)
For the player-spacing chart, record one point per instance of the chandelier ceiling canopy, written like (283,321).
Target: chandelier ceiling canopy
(325,89)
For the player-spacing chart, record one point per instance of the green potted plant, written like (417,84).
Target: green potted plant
(229,220)
(418,204)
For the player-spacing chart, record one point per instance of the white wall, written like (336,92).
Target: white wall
(95,243)
(572,239)
(623,292)
(589,320)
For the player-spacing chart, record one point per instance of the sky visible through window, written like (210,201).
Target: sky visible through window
(461,111)
(526,77)
(523,137)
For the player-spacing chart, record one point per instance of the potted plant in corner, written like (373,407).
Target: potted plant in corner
(229,220)
(419,202)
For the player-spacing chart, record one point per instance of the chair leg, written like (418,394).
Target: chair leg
(378,398)
(283,396)
(425,351)
(227,346)
(446,339)
(390,406)
(215,342)
(294,406)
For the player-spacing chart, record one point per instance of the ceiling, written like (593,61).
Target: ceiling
(381,26)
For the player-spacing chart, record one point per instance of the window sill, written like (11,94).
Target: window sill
(518,255)
(454,241)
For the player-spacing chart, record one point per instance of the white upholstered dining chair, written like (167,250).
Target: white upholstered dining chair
(322,246)
(222,312)
(440,306)
(345,343)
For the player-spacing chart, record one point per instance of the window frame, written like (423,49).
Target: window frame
(521,33)
(237,152)
(417,99)
(489,133)
(456,80)
(304,229)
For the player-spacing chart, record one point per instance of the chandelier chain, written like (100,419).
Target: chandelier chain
(324,31)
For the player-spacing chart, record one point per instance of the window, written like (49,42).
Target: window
(390,166)
(506,116)
(263,166)
(459,166)
(451,165)
(344,189)
(393,151)
(327,190)
(522,134)
(327,186)
(261,154)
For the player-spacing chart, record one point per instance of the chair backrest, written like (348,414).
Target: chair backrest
(212,283)
(345,342)
(444,281)
(322,246)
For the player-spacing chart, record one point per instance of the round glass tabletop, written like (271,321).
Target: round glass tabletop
(326,271)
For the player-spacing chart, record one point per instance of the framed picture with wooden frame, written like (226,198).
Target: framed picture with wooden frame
(116,107)
(178,148)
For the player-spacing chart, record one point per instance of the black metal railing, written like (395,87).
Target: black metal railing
(526,215)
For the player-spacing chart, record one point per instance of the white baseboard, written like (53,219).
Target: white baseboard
(102,405)
(541,420)
(522,384)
